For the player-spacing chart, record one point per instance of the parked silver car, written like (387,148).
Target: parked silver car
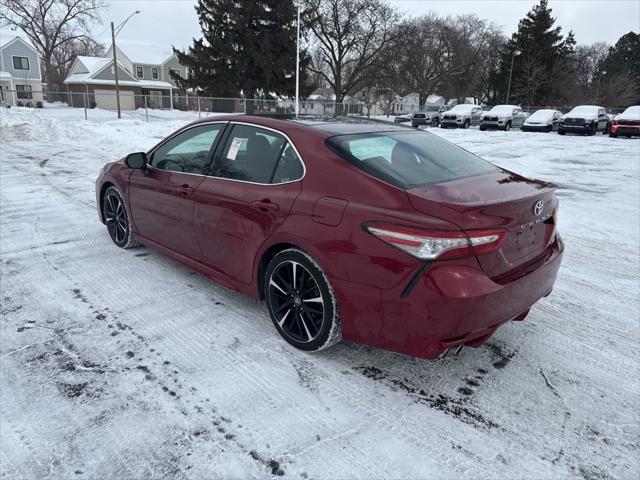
(429,115)
(502,117)
(544,120)
(463,116)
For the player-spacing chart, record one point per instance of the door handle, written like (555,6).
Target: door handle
(265,205)
(185,189)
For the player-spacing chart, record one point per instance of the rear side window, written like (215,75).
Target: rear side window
(258,155)
(408,159)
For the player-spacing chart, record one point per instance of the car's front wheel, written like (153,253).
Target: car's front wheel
(507,127)
(467,123)
(117,219)
(301,301)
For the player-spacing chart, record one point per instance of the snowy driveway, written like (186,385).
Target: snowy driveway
(124,364)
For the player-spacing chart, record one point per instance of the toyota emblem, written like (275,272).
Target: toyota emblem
(538,208)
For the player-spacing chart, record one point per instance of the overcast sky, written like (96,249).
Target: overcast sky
(174,22)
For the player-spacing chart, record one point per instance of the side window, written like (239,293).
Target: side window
(188,151)
(289,166)
(139,72)
(252,155)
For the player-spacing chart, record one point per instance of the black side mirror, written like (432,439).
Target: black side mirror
(137,161)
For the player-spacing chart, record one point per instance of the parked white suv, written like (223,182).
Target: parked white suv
(502,117)
(463,115)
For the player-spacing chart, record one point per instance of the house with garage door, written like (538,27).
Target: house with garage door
(145,77)
(20,74)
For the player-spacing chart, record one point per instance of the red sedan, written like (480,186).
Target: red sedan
(376,234)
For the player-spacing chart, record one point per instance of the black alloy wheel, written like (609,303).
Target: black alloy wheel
(301,302)
(117,219)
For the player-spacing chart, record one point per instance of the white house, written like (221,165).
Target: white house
(144,73)
(20,73)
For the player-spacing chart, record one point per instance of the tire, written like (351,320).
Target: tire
(117,219)
(561,132)
(305,314)
(593,131)
(606,129)
(466,124)
(507,127)
(483,128)
(613,135)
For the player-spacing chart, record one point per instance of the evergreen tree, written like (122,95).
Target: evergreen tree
(543,65)
(247,47)
(622,64)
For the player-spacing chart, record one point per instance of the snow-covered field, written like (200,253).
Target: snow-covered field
(125,364)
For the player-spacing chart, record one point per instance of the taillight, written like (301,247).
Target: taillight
(432,244)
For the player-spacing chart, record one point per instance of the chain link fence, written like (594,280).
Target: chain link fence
(99,103)
(102,102)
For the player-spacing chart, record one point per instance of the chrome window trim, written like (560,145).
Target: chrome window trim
(304,166)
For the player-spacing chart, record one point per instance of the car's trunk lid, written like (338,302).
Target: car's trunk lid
(500,200)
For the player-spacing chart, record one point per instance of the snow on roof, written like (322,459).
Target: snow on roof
(85,78)
(8,37)
(94,64)
(144,53)
(5,76)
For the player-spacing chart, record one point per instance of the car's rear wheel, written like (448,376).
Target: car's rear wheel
(117,219)
(301,301)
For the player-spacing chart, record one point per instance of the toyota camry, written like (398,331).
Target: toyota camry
(376,234)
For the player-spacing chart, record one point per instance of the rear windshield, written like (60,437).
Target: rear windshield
(408,159)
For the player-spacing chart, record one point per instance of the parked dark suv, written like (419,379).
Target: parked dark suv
(429,116)
(586,119)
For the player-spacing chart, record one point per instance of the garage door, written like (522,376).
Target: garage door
(107,99)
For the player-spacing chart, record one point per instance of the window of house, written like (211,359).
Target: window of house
(21,63)
(24,91)
(154,72)
(139,72)
(174,71)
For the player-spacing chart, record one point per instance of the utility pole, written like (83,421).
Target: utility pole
(298,66)
(115,67)
(115,32)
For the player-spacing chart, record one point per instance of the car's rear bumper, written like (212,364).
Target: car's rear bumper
(447,306)
(631,130)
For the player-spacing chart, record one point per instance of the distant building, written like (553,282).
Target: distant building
(143,73)
(20,74)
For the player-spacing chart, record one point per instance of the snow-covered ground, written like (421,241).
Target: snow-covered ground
(125,364)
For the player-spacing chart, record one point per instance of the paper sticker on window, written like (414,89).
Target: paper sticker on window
(233,149)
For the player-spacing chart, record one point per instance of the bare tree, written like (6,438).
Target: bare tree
(350,35)
(63,58)
(51,25)
(426,54)
(617,90)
